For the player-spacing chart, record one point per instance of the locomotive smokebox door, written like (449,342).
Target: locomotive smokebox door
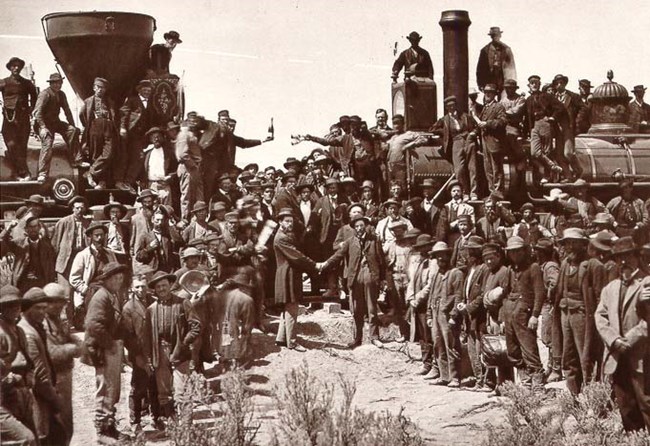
(416,100)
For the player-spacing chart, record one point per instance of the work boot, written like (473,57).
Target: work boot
(424,370)
(555,375)
(91,181)
(575,166)
(439,382)
(454,384)
(433,374)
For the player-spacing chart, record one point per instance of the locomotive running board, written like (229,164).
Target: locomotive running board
(20,183)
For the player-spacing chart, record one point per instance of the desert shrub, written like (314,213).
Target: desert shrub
(307,416)
(536,419)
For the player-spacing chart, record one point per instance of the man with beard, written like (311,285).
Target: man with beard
(625,336)
(369,202)
(46,114)
(234,251)
(156,249)
(160,165)
(572,303)
(366,269)
(383,232)
(453,209)
(529,228)
(19,97)
(141,219)
(99,139)
(118,233)
(199,227)
(495,62)
(135,121)
(496,218)
(630,213)
(431,211)
(588,206)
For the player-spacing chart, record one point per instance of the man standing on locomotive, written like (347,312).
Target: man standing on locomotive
(19,97)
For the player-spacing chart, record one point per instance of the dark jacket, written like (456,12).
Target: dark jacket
(103,323)
(48,106)
(21,250)
(494,133)
(445,293)
(473,297)
(134,117)
(87,116)
(355,250)
(573,105)
(411,56)
(327,219)
(540,105)
(133,322)
(291,263)
(162,258)
(442,127)
(63,241)
(170,163)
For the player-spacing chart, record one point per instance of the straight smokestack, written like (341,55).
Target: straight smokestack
(454,26)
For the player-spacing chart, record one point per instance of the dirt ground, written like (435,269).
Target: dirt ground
(386,380)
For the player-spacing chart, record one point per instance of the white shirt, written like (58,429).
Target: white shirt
(156,166)
(468,285)
(305,209)
(144,101)
(426,204)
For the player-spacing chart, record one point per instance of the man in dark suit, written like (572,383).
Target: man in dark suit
(491,227)
(135,120)
(458,144)
(19,97)
(431,211)
(291,263)
(568,129)
(416,61)
(156,249)
(496,63)
(366,271)
(160,54)
(639,111)
(329,221)
(99,139)
(492,124)
(224,192)
(47,124)
(117,237)
(34,256)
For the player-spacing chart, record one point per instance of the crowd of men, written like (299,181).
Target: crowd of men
(210,248)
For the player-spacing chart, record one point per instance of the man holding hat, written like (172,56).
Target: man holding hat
(19,98)
(495,62)
(159,165)
(415,60)
(639,110)
(16,373)
(522,306)
(160,54)
(34,256)
(63,348)
(630,213)
(136,117)
(86,267)
(574,305)
(103,345)
(47,125)
(49,404)
(625,335)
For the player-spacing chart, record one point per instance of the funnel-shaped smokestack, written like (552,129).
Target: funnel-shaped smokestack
(112,45)
(454,54)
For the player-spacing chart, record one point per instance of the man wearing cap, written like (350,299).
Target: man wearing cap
(630,213)
(16,373)
(85,268)
(143,391)
(492,125)
(455,128)
(189,155)
(465,231)
(63,347)
(529,227)
(100,137)
(291,263)
(639,110)
(156,248)
(574,305)
(160,54)
(160,165)
(442,317)
(69,239)
(47,125)
(495,62)
(453,209)
(19,98)
(103,345)
(34,256)
(415,60)
(199,227)
(521,309)
(49,404)
(542,114)
(568,128)
(588,205)
(235,251)
(625,335)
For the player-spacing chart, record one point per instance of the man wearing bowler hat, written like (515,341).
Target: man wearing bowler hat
(415,60)
(85,268)
(100,139)
(161,54)
(103,346)
(625,335)
(19,98)
(136,117)
(47,125)
(639,110)
(495,62)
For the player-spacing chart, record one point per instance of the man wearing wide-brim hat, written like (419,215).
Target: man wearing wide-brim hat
(576,304)
(17,407)
(623,332)
(386,236)
(639,110)
(495,62)
(47,124)
(630,213)
(172,326)
(444,322)
(160,54)
(199,227)
(118,234)
(103,345)
(521,309)
(415,60)
(19,98)
(159,164)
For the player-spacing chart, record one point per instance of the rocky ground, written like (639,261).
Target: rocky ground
(386,380)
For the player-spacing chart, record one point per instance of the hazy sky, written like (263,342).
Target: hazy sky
(307,62)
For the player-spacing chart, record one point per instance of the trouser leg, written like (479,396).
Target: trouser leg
(451,341)
(557,340)
(459,160)
(107,379)
(573,335)
(102,161)
(286,331)
(440,348)
(135,158)
(358,309)
(180,375)
(632,401)
(527,340)
(16,136)
(45,157)
(13,431)
(139,389)
(474,352)
(371,292)
(64,389)
(424,333)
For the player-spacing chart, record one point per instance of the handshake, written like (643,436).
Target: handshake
(320,266)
